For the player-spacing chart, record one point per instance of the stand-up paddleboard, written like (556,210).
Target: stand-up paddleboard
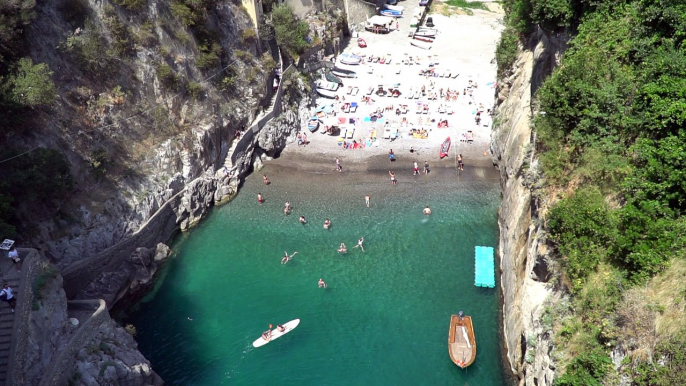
(276,334)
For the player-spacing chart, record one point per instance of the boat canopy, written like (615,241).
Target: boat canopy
(380,20)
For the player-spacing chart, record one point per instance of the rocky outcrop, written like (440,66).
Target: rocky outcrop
(524,262)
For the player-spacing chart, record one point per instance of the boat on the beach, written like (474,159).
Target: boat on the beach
(461,340)
(343,73)
(361,43)
(333,78)
(326,89)
(420,44)
(350,59)
(313,124)
(424,3)
(433,31)
(445,146)
(391,13)
(276,334)
(398,8)
(428,39)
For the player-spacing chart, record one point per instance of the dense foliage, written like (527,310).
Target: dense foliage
(290,32)
(39,177)
(611,132)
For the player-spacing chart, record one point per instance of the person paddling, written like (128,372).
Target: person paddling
(267,335)
(287,258)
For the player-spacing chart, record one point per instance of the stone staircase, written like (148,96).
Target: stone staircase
(10,275)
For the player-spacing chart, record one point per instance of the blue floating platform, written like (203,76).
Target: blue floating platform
(484,267)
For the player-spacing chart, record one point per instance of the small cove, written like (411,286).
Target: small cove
(384,318)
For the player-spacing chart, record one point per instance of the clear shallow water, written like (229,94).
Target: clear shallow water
(384,318)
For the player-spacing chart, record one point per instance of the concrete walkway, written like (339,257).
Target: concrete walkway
(10,275)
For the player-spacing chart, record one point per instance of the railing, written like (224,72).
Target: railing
(20,329)
(62,365)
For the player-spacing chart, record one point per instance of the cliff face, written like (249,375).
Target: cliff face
(525,267)
(140,116)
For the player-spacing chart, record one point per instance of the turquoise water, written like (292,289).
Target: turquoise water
(384,318)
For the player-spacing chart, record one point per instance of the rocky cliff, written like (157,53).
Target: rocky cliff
(524,263)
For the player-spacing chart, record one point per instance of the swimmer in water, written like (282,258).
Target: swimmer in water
(265,179)
(342,249)
(393,181)
(359,244)
(302,220)
(427,211)
(287,208)
(322,283)
(287,258)
(260,199)
(327,223)
(366,200)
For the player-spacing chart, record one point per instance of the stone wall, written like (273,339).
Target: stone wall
(358,12)
(62,367)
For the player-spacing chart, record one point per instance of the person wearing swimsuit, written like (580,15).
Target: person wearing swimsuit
(393,181)
(260,199)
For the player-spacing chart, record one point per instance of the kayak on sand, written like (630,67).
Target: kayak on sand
(288,327)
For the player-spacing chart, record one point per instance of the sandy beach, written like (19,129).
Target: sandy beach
(464,48)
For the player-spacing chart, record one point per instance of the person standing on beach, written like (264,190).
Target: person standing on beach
(393,181)
(366,200)
(391,156)
(426,167)
(287,258)
(322,283)
(415,170)
(460,165)
(338,165)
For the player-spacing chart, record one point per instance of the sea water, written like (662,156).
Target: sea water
(384,318)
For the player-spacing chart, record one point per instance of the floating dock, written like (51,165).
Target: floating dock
(484,264)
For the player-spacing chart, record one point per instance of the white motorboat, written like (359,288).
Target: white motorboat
(350,59)
(326,89)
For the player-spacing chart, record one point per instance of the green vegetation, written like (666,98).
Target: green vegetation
(132,5)
(291,32)
(168,77)
(31,85)
(611,136)
(248,36)
(467,4)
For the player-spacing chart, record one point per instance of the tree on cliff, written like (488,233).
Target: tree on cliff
(290,32)
(31,85)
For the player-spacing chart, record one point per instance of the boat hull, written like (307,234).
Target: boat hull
(390,13)
(420,44)
(344,73)
(326,93)
(445,147)
(461,341)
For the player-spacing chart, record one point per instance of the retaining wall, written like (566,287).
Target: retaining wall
(20,330)
(62,367)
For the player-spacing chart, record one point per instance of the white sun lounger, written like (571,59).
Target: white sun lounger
(387,133)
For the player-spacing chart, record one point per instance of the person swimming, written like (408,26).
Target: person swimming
(366,200)
(260,199)
(327,223)
(265,179)
(287,208)
(287,258)
(359,244)
(322,283)
(427,211)
(302,220)
(342,248)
